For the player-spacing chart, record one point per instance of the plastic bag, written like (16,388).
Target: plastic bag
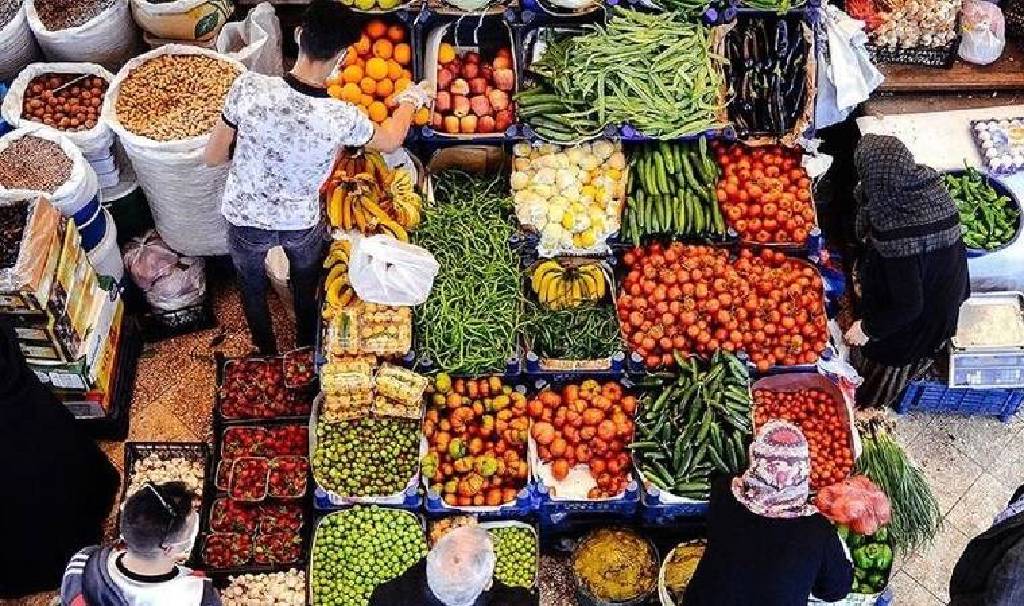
(169,280)
(256,42)
(846,77)
(984,32)
(385,271)
(148,259)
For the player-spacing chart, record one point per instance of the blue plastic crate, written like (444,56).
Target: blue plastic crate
(932,396)
(654,512)
(556,514)
(524,505)
(322,501)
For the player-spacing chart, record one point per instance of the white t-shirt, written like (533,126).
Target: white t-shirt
(288,135)
(184,589)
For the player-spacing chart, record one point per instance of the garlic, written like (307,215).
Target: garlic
(153,469)
(277,589)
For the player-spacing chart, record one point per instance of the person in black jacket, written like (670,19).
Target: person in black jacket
(913,272)
(991,570)
(767,545)
(458,571)
(60,485)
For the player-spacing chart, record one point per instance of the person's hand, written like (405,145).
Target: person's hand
(856,335)
(418,95)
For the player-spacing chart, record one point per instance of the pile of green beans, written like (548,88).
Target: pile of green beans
(688,8)
(988,221)
(779,6)
(588,332)
(470,321)
(654,72)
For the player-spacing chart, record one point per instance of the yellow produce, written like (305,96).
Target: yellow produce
(364,194)
(568,286)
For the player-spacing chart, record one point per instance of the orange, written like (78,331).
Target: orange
(403,53)
(362,108)
(385,87)
(382,48)
(378,112)
(363,46)
(351,93)
(333,79)
(394,69)
(445,53)
(422,116)
(376,29)
(407,74)
(396,33)
(352,73)
(377,68)
(351,56)
(336,91)
(402,84)
(368,85)
(365,100)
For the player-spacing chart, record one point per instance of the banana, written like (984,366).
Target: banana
(540,270)
(597,281)
(551,286)
(575,293)
(334,291)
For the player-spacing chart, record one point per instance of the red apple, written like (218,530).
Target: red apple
(503,120)
(498,99)
(468,124)
(451,125)
(470,70)
(478,86)
(460,87)
(444,79)
(505,79)
(436,121)
(460,106)
(487,72)
(443,102)
(480,106)
(471,57)
(486,124)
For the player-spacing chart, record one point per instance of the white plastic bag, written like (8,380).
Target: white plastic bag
(109,38)
(169,280)
(81,186)
(984,32)
(148,258)
(18,46)
(256,42)
(96,141)
(279,270)
(388,272)
(846,75)
(183,193)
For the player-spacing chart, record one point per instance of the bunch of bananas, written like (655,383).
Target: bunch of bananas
(567,287)
(363,193)
(338,292)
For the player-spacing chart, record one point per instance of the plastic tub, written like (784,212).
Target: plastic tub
(94,228)
(106,256)
(1002,190)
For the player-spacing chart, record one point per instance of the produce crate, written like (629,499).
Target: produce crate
(932,396)
(158,325)
(497,524)
(221,361)
(524,506)
(655,512)
(944,56)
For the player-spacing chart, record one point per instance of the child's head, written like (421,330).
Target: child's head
(159,520)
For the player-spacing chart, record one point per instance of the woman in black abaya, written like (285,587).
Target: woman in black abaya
(58,485)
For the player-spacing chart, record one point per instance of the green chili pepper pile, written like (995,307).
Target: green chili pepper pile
(698,425)
(588,332)
(469,323)
(988,220)
(872,559)
(654,72)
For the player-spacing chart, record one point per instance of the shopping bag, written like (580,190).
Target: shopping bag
(385,271)
(256,41)
(848,74)
(983,32)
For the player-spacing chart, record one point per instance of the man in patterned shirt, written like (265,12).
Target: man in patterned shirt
(281,136)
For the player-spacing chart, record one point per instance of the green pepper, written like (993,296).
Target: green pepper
(860,574)
(862,559)
(881,535)
(877,582)
(883,558)
(854,540)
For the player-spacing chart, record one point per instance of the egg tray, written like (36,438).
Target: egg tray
(1008,158)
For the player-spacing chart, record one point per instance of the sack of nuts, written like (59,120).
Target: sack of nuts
(38,160)
(163,106)
(65,96)
(97,31)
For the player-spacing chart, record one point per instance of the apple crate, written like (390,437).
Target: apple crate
(476,102)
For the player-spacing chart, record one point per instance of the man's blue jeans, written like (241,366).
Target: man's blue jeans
(305,250)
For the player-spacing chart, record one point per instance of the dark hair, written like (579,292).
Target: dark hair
(326,31)
(155,516)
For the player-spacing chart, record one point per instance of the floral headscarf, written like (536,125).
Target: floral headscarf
(776,485)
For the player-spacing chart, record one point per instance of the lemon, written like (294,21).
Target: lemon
(587,238)
(568,219)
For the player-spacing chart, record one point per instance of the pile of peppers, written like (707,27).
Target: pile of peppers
(872,559)
(766,70)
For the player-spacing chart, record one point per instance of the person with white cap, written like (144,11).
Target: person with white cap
(458,571)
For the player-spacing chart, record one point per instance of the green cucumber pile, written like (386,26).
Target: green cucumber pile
(988,221)
(672,191)
(470,321)
(696,426)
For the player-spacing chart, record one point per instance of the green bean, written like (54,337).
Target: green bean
(584,333)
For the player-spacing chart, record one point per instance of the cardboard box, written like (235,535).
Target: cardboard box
(32,274)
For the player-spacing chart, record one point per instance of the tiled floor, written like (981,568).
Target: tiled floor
(973,464)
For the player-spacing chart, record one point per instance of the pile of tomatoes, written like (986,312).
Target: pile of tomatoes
(587,424)
(696,299)
(765,194)
(824,424)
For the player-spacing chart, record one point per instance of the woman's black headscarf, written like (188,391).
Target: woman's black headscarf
(904,208)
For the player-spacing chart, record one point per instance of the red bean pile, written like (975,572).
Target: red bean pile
(34,163)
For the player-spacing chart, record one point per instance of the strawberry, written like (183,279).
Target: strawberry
(276,517)
(227,550)
(288,476)
(249,479)
(227,515)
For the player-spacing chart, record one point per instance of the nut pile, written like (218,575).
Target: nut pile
(158,470)
(278,589)
(34,163)
(174,96)
(63,14)
(75,107)
(12,225)
(8,8)
(917,23)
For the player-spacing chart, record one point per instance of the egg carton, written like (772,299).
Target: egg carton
(1000,143)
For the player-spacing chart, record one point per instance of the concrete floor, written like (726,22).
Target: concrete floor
(973,464)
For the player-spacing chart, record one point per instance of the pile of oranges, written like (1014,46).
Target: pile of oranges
(375,69)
